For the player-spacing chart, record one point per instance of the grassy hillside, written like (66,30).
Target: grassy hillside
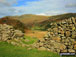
(63,16)
(42,22)
(8,50)
(29,19)
(32,18)
(57,18)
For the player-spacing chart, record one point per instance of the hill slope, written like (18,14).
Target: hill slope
(30,20)
(57,18)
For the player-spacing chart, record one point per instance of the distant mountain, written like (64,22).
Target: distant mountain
(63,16)
(30,20)
(24,21)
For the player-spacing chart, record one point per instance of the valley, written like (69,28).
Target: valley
(40,37)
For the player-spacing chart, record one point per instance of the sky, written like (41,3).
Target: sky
(38,7)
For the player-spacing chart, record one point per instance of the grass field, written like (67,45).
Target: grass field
(8,50)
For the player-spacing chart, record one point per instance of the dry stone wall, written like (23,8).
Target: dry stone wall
(8,32)
(61,37)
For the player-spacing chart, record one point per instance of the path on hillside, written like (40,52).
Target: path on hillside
(36,33)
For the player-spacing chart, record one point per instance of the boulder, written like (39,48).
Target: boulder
(64,51)
(18,33)
(42,48)
(74,47)
(7,32)
(71,51)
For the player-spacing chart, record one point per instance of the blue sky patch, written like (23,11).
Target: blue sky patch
(24,2)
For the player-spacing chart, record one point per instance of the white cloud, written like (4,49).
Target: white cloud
(7,3)
(6,8)
(71,5)
(46,7)
(50,13)
(41,14)
(42,7)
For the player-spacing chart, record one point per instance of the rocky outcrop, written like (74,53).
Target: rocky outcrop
(61,37)
(8,32)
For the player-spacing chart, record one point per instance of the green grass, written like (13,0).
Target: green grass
(37,27)
(31,40)
(8,50)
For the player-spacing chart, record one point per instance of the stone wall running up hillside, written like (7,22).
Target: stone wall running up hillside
(8,32)
(61,37)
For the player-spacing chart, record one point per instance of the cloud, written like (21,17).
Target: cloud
(7,3)
(46,7)
(41,7)
(50,13)
(6,8)
(71,5)
(41,14)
